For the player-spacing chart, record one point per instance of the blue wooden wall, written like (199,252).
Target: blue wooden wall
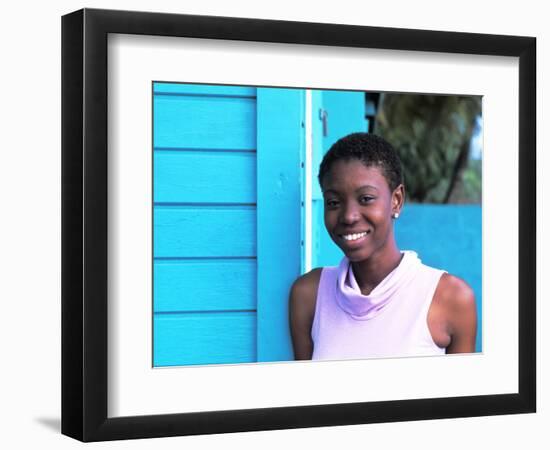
(226,222)
(205,267)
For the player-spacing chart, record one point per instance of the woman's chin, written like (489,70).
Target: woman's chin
(356,255)
(355,258)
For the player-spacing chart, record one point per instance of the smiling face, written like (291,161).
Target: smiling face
(358,209)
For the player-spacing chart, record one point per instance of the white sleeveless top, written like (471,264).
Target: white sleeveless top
(389,322)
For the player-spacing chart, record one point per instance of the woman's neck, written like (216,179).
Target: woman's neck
(370,272)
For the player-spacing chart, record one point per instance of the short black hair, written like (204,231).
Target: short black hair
(371,150)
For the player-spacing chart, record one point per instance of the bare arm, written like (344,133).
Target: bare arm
(302,299)
(460,312)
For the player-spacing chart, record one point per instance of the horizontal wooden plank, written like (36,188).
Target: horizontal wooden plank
(196,176)
(211,338)
(204,122)
(204,285)
(203,89)
(199,231)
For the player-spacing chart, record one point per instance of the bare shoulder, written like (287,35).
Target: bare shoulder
(454,294)
(456,308)
(303,296)
(307,284)
(303,292)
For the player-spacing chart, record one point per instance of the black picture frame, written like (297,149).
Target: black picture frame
(84,224)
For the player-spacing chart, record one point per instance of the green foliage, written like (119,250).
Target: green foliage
(469,188)
(432,135)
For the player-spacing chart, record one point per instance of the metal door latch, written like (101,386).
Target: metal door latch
(323,116)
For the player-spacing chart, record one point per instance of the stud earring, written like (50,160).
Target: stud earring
(395,215)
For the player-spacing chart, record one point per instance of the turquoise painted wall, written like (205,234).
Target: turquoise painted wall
(204,222)
(226,222)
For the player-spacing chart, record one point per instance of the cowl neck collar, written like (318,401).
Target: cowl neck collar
(364,307)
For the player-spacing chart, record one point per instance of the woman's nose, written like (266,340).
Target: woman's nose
(350,214)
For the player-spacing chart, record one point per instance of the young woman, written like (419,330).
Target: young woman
(380,301)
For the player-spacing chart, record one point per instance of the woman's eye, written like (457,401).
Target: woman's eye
(332,203)
(366,199)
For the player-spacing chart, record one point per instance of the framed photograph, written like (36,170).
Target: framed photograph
(205,173)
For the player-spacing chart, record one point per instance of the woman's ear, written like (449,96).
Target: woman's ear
(397,201)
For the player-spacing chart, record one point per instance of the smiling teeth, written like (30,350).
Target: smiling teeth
(354,237)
